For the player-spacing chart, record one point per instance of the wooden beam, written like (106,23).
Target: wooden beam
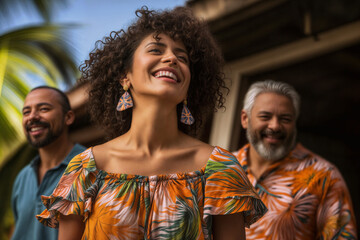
(289,54)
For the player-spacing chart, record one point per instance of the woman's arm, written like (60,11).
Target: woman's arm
(71,227)
(229,227)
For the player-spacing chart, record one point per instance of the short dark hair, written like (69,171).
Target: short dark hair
(112,58)
(64,100)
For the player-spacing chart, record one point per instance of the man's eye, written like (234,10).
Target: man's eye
(264,117)
(286,120)
(44,109)
(26,113)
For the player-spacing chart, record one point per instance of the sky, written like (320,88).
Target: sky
(97,18)
(93,20)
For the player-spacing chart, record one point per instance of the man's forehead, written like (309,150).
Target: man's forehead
(42,95)
(273,101)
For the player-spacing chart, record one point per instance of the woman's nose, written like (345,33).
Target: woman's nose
(170,57)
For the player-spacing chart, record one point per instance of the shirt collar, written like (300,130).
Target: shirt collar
(242,156)
(74,151)
(35,162)
(298,152)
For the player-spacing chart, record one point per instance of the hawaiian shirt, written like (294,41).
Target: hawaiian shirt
(171,206)
(306,197)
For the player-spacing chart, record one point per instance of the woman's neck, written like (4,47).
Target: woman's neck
(153,127)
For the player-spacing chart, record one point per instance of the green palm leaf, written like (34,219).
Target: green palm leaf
(38,53)
(186,225)
(43,7)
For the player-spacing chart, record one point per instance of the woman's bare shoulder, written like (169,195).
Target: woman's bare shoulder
(102,152)
(203,150)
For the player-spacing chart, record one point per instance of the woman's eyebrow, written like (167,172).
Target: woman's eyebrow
(181,50)
(164,45)
(156,43)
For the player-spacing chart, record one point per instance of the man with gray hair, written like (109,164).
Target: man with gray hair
(306,195)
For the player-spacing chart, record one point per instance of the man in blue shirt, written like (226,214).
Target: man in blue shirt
(46,119)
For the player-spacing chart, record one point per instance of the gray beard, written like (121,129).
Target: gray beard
(270,153)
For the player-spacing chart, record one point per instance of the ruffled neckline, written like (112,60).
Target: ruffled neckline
(159,177)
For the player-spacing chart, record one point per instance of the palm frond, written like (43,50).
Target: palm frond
(44,8)
(37,53)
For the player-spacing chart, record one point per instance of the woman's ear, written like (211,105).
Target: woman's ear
(125,81)
(122,81)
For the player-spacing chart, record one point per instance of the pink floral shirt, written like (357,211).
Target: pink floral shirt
(306,198)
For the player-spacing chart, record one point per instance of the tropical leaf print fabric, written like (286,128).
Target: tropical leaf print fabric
(174,206)
(306,198)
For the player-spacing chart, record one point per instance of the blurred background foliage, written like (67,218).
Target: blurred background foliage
(40,54)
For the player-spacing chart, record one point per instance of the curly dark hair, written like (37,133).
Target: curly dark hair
(113,56)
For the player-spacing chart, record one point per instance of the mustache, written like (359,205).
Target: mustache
(36,123)
(270,132)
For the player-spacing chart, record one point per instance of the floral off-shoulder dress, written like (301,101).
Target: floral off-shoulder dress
(172,206)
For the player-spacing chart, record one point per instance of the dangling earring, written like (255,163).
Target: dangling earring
(186,117)
(125,100)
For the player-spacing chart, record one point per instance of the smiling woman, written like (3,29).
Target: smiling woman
(117,50)
(152,180)
(161,72)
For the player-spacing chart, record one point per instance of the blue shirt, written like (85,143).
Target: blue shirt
(26,198)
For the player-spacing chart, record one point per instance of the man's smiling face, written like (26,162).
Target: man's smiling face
(271,126)
(43,117)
